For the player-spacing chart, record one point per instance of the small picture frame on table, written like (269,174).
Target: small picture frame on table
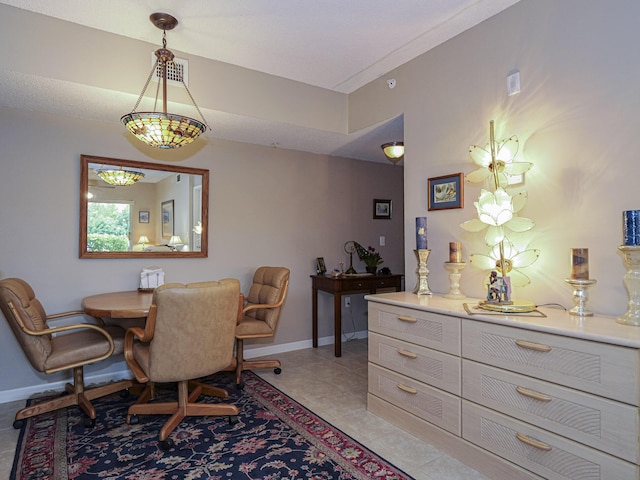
(321,268)
(446,192)
(381,209)
(143,216)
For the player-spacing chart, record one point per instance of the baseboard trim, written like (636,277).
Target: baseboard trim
(26,392)
(57,387)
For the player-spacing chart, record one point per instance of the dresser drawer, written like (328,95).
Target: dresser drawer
(607,370)
(437,369)
(544,453)
(600,423)
(431,330)
(433,405)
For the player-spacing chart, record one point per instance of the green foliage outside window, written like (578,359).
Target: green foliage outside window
(108,227)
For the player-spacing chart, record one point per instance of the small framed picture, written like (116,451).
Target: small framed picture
(446,192)
(321,268)
(381,209)
(143,216)
(167,218)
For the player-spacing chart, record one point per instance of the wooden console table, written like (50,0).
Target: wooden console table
(338,286)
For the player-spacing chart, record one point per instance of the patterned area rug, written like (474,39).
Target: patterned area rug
(275,438)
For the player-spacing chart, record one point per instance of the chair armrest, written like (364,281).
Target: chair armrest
(66,328)
(75,313)
(65,314)
(144,335)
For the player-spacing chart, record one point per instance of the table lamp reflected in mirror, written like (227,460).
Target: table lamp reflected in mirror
(142,241)
(175,242)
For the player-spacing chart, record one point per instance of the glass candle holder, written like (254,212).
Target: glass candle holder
(454,269)
(631,258)
(422,286)
(580,296)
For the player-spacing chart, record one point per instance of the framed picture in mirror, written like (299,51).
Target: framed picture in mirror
(167,218)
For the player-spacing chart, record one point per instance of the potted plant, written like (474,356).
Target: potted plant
(370,257)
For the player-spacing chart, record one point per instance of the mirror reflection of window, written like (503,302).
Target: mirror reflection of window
(108,227)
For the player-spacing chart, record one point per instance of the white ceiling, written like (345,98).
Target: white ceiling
(339,45)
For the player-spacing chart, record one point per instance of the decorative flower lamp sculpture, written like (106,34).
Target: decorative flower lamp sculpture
(498,217)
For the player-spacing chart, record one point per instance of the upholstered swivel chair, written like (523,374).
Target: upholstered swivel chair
(189,334)
(260,316)
(54,349)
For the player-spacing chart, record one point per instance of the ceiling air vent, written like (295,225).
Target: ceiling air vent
(176,70)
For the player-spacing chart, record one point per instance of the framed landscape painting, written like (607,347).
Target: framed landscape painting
(446,192)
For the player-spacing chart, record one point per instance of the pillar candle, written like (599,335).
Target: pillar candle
(631,227)
(580,263)
(421,233)
(455,252)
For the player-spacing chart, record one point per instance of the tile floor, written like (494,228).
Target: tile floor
(333,388)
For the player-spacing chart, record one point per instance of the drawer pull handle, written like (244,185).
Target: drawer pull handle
(406,353)
(404,388)
(534,443)
(533,394)
(404,318)
(538,347)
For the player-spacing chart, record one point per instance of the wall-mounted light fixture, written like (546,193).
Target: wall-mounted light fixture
(394,151)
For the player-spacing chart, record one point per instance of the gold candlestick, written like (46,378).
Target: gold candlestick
(454,269)
(422,286)
(631,257)
(580,296)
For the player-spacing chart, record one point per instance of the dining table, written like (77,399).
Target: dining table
(128,304)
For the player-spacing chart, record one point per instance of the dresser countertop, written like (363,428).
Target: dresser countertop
(557,321)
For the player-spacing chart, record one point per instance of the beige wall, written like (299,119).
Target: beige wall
(577,119)
(267,207)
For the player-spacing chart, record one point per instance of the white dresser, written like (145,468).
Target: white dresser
(516,397)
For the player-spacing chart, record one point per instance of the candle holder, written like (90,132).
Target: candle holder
(454,269)
(580,296)
(631,258)
(422,287)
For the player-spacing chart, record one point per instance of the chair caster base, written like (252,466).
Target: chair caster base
(166,445)
(89,422)
(18,424)
(233,420)
(277,370)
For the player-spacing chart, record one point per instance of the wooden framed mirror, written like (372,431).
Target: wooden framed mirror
(164,213)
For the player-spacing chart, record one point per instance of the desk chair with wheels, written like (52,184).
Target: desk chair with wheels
(189,334)
(260,316)
(54,349)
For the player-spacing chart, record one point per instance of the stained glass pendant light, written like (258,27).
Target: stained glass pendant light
(162,129)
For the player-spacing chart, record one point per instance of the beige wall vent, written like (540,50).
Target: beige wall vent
(180,67)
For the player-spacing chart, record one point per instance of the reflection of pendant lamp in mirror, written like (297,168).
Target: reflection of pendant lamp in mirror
(162,129)
(119,176)
(394,151)
(350,248)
